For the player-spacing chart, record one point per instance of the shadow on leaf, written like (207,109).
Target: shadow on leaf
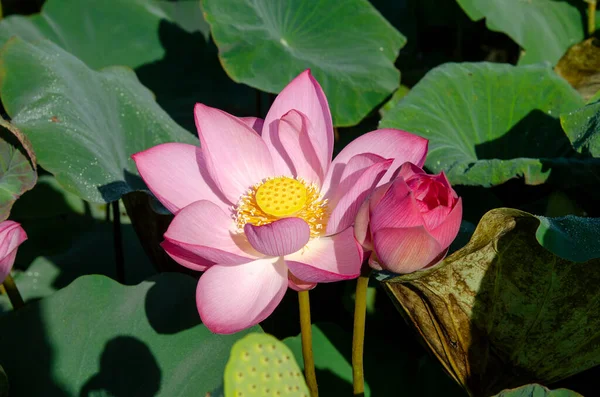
(141,376)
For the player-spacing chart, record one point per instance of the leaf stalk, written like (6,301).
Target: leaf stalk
(307,350)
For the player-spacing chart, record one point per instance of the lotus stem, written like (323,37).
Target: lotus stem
(591,16)
(16,300)
(307,351)
(118,242)
(358,335)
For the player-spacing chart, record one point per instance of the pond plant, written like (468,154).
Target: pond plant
(233,198)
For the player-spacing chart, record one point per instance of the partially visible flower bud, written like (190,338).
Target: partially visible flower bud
(409,222)
(11,236)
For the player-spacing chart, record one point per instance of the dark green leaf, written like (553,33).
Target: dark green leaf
(582,127)
(105,33)
(99,336)
(3,383)
(503,311)
(544,28)
(68,238)
(266,44)
(389,368)
(488,123)
(573,238)
(83,124)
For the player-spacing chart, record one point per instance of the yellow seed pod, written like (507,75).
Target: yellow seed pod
(261,365)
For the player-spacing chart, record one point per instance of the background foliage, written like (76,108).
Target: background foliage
(504,91)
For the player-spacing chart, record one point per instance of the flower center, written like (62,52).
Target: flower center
(282,197)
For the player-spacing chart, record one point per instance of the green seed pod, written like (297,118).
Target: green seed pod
(261,365)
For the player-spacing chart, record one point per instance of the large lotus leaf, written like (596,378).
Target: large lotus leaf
(60,233)
(266,44)
(571,237)
(165,41)
(105,33)
(97,336)
(535,390)
(83,124)
(17,169)
(582,127)
(488,123)
(504,311)
(544,28)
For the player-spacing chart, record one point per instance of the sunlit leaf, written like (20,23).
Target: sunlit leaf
(166,42)
(488,123)
(84,125)
(544,28)
(266,44)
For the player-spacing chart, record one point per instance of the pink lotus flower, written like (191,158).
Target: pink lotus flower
(11,236)
(263,208)
(410,222)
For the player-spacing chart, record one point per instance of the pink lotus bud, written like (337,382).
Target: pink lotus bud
(11,236)
(409,222)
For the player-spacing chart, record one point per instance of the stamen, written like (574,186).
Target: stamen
(282,197)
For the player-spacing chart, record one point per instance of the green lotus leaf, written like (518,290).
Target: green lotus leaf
(97,336)
(266,44)
(489,123)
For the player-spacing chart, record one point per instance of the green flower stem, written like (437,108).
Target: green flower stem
(307,351)
(591,16)
(13,292)
(358,335)
(118,242)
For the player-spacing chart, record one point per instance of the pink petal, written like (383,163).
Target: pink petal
(350,173)
(205,230)
(296,136)
(446,232)
(298,285)
(253,122)
(388,143)
(396,208)
(327,259)
(347,206)
(278,238)
(236,156)
(434,217)
(374,262)
(361,226)
(363,217)
(11,236)
(186,258)
(405,250)
(305,95)
(176,174)
(233,298)
(408,170)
